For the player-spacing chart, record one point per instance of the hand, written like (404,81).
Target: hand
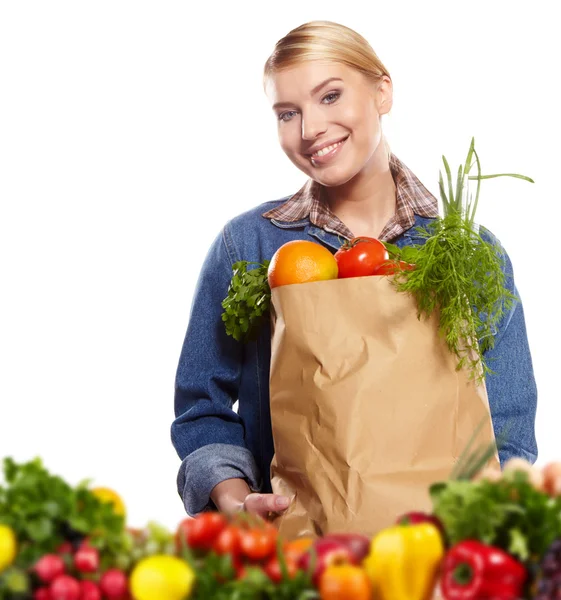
(263,504)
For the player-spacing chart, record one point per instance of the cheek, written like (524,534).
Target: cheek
(289,139)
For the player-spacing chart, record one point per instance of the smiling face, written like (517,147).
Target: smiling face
(320,104)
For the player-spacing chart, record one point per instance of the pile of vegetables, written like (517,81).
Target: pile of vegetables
(489,535)
(457,270)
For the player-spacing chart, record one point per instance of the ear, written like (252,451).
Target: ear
(384,95)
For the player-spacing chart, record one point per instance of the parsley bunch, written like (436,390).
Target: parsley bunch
(459,272)
(510,514)
(248,300)
(44,511)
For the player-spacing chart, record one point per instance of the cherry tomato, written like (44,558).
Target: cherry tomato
(201,531)
(228,541)
(391,267)
(360,257)
(274,572)
(259,543)
(49,567)
(345,582)
(64,587)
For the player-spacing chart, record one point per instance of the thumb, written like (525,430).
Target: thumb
(262,504)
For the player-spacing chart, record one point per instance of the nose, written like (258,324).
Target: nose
(312,125)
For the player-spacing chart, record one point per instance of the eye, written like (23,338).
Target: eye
(282,115)
(334,95)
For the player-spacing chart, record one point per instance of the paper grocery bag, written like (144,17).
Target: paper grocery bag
(367,407)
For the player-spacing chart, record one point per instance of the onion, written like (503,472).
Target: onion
(552,478)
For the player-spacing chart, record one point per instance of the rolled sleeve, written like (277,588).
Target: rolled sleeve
(205,468)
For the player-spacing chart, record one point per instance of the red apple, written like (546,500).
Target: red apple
(358,544)
(328,553)
(413,518)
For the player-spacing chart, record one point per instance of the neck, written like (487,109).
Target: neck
(366,202)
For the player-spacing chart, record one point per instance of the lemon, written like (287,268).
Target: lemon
(110,496)
(161,576)
(8,546)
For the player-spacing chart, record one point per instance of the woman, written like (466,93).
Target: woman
(328,91)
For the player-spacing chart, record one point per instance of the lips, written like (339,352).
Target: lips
(331,155)
(327,144)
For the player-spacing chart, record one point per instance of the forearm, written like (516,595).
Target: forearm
(229,495)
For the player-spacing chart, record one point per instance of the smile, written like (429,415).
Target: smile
(327,154)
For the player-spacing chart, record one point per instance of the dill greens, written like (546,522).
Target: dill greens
(459,272)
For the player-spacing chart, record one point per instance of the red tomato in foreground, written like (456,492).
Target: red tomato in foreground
(228,541)
(274,572)
(360,257)
(257,544)
(201,532)
(392,267)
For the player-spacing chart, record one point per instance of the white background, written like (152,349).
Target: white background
(131,131)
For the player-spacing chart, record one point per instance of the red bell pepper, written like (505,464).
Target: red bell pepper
(476,571)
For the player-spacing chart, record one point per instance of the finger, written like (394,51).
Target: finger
(263,504)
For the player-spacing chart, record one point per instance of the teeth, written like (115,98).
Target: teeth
(327,150)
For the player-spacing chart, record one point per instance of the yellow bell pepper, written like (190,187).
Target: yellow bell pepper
(403,562)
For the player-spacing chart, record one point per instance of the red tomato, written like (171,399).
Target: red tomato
(228,541)
(86,559)
(257,544)
(64,587)
(114,584)
(182,533)
(274,572)
(49,567)
(89,591)
(201,532)
(391,267)
(360,257)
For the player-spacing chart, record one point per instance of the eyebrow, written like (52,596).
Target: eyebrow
(313,92)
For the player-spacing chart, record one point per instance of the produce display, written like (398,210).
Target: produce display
(487,537)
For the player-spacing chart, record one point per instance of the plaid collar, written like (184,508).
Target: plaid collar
(412,198)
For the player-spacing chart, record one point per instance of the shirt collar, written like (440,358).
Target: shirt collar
(412,198)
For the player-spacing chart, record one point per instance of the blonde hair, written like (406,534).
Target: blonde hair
(327,41)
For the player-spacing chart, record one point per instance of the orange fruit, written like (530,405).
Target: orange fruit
(301,261)
(110,496)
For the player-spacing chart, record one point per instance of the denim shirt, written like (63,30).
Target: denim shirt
(215,443)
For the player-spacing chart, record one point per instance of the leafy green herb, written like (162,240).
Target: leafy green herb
(216,580)
(44,510)
(510,514)
(248,300)
(459,273)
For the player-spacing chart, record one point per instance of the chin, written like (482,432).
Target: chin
(334,177)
